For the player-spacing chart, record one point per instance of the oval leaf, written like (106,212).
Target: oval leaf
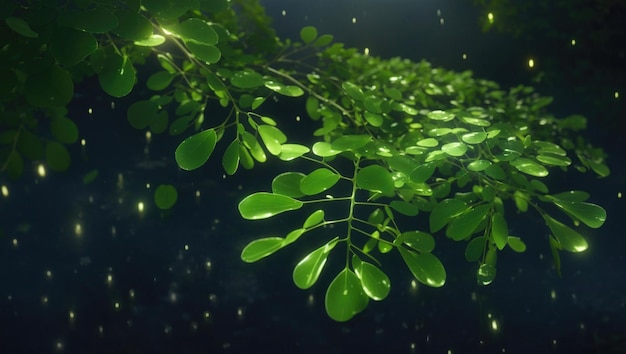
(318,181)
(463,226)
(425,267)
(117,76)
(444,212)
(590,214)
(569,239)
(374,281)
(345,296)
(308,270)
(261,248)
(315,218)
(377,179)
(529,167)
(499,230)
(263,205)
(194,151)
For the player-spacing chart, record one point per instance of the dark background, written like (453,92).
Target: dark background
(177,284)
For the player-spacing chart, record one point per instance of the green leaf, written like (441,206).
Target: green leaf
(417,240)
(529,167)
(308,34)
(376,120)
(422,172)
(289,152)
(345,296)
(571,196)
(152,41)
(160,80)
(554,160)
(288,183)
(261,248)
(425,267)
(499,230)
(478,165)
(375,283)
(90,176)
(195,30)
(117,76)
(210,54)
(568,239)
(405,208)
(315,218)
(246,79)
(516,244)
(285,90)
(318,181)
(263,205)
(70,46)
(132,26)
(475,248)
(353,91)
(474,137)
(230,159)
(57,156)
(272,138)
(454,149)
(165,196)
(293,236)
(428,142)
(324,149)
(350,142)
(323,40)
(464,225)
(377,179)
(308,270)
(590,214)
(440,116)
(444,212)
(194,151)
(20,26)
(49,88)
(64,130)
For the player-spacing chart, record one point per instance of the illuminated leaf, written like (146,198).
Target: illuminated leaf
(263,205)
(194,151)
(345,296)
(318,181)
(308,270)
(425,267)
(261,248)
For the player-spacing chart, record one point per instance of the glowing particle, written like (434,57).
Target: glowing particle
(140,207)
(186,247)
(298,118)
(573,42)
(197,194)
(616,94)
(619,195)
(494,325)
(78,230)
(116,305)
(5,191)
(109,279)
(531,63)
(83,142)
(441,21)
(240,312)
(14,242)
(41,170)
(354,20)
(464,56)
(553,294)
(90,110)
(112,105)
(45,300)
(59,345)
(366,51)
(49,274)
(284,13)
(148,136)
(310,300)
(490,17)
(206,315)
(71,315)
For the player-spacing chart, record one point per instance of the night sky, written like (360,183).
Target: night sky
(84,270)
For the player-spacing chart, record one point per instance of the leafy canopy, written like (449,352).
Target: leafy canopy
(397,143)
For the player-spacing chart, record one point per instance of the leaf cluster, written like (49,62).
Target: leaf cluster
(396,141)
